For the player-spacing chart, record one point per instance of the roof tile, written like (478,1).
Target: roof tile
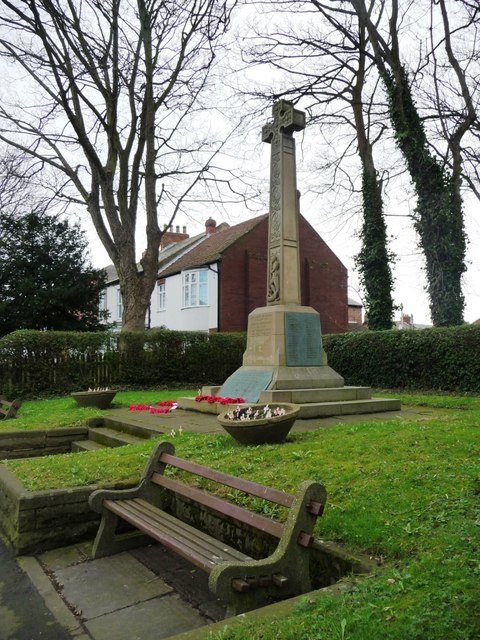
(210,249)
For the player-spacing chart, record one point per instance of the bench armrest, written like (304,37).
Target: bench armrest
(97,497)
(153,466)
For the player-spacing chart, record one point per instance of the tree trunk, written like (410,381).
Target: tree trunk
(374,258)
(438,215)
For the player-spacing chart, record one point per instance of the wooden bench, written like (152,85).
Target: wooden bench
(243,582)
(9,409)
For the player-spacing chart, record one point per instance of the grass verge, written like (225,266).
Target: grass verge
(64,412)
(405,491)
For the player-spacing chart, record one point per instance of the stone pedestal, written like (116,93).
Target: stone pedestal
(284,351)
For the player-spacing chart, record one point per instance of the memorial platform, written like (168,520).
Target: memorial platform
(313,403)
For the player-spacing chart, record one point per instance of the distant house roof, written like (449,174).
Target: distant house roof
(111,272)
(210,249)
(199,250)
(165,257)
(354,303)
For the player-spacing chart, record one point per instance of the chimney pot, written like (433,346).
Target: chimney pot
(210,226)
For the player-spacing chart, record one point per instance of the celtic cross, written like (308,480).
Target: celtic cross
(283,271)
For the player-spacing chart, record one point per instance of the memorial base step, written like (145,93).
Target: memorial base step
(304,396)
(314,403)
(348,407)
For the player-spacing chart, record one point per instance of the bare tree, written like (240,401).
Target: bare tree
(439,212)
(107,91)
(323,62)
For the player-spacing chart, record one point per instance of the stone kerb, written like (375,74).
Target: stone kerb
(27,444)
(190,404)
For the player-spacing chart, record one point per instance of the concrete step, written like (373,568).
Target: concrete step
(111,437)
(304,396)
(324,409)
(86,445)
(130,424)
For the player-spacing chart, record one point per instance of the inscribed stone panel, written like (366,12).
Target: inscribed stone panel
(303,339)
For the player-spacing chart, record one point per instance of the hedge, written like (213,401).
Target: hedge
(39,363)
(444,359)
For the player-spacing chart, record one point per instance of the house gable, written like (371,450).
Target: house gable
(243,278)
(212,248)
(236,261)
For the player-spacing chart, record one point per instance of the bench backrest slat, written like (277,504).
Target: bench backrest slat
(247,486)
(219,505)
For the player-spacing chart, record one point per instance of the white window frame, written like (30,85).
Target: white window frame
(161,296)
(119,304)
(195,288)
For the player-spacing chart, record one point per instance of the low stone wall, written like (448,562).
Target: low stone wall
(37,521)
(29,444)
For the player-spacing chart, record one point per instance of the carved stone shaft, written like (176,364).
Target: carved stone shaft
(283,273)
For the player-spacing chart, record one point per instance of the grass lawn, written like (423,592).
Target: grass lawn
(64,412)
(406,492)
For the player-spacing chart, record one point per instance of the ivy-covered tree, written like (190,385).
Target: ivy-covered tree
(46,280)
(438,217)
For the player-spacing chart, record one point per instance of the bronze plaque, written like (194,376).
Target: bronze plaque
(246,384)
(303,340)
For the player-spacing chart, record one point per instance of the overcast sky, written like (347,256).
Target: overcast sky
(340,235)
(337,227)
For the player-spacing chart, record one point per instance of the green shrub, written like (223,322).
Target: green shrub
(35,363)
(441,358)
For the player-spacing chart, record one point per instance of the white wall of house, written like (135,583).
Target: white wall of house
(112,302)
(186,301)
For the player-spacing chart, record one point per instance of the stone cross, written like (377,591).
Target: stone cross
(283,272)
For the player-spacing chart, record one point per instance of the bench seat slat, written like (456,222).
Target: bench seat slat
(247,486)
(222,507)
(195,537)
(193,545)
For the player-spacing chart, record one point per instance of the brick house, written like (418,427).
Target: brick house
(211,282)
(355,315)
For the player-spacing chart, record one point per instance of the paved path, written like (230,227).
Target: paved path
(24,614)
(140,595)
(208,423)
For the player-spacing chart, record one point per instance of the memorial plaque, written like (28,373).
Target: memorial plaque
(303,340)
(246,384)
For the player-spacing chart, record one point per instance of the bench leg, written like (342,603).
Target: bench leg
(104,541)
(249,585)
(108,542)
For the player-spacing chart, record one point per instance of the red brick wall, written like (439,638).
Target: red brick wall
(323,279)
(355,315)
(243,277)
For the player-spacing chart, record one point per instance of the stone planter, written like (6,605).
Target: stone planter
(98,399)
(264,430)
